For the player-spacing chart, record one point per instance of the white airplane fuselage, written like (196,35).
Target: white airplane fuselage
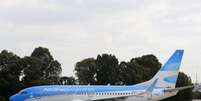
(91,93)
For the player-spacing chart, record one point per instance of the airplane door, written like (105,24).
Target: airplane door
(34,98)
(90,95)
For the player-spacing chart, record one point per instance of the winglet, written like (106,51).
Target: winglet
(152,86)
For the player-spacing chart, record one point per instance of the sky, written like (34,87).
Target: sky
(77,29)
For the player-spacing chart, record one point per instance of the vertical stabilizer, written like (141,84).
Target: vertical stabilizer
(174,62)
(168,74)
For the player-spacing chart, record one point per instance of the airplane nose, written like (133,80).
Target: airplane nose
(15,98)
(11,98)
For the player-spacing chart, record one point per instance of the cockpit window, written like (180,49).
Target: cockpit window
(23,92)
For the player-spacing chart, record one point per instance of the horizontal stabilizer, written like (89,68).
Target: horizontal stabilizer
(178,89)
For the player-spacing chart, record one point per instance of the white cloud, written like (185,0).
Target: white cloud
(76,29)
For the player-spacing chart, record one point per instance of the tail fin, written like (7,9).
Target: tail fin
(174,62)
(168,74)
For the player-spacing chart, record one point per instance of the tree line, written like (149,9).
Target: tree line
(106,69)
(40,68)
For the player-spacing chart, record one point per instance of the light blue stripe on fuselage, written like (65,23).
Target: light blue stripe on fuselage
(59,90)
(43,91)
(84,88)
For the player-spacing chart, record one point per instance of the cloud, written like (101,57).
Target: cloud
(77,29)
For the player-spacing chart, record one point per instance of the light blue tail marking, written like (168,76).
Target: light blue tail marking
(171,79)
(152,86)
(174,62)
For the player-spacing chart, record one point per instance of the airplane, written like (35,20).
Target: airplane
(161,86)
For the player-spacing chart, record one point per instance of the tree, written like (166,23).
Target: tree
(130,73)
(196,95)
(49,67)
(67,80)
(86,71)
(138,69)
(150,65)
(42,63)
(42,53)
(185,95)
(2,98)
(18,73)
(10,71)
(107,69)
(102,70)
(32,71)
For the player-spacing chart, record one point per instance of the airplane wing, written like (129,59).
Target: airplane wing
(177,89)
